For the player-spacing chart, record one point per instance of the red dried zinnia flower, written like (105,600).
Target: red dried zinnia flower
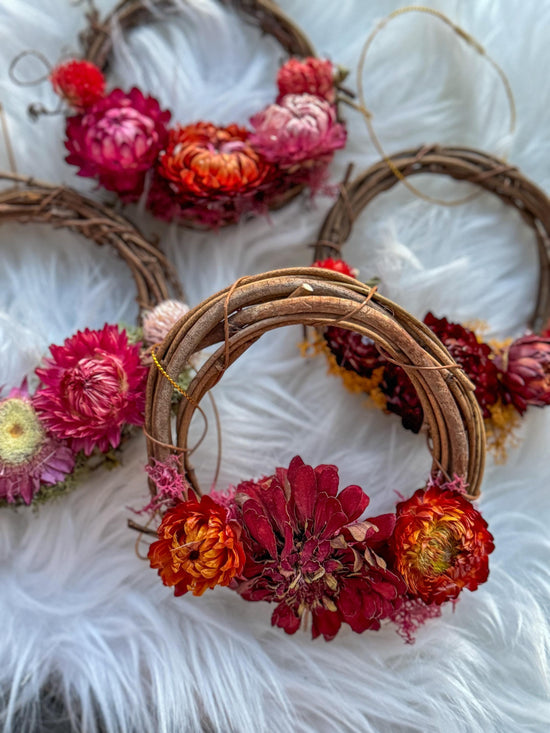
(300,130)
(203,160)
(440,544)
(198,546)
(306,552)
(117,140)
(477,359)
(309,75)
(337,266)
(29,456)
(79,83)
(527,376)
(92,386)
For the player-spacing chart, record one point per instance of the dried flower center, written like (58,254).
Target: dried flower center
(94,386)
(199,549)
(435,550)
(21,433)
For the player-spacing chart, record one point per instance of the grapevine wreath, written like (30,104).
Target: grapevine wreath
(508,377)
(89,391)
(291,538)
(201,173)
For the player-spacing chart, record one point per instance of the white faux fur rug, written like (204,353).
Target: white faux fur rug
(87,623)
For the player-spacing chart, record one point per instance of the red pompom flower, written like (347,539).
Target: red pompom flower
(117,140)
(198,546)
(309,75)
(79,83)
(306,551)
(440,544)
(337,266)
(91,387)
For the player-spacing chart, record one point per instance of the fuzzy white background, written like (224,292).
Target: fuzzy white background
(89,638)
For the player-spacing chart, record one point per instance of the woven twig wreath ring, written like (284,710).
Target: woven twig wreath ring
(508,376)
(237,317)
(98,43)
(462,164)
(91,389)
(33,201)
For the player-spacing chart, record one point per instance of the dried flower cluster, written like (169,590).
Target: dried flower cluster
(294,540)
(91,388)
(201,172)
(507,380)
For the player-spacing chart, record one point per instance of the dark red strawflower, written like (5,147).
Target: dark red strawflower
(527,376)
(401,397)
(477,359)
(353,350)
(306,551)
(79,83)
(440,544)
(336,265)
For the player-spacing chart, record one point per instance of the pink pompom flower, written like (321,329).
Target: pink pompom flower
(91,387)
(300,129)
(29,456)
(117,140)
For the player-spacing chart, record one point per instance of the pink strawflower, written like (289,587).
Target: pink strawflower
(310,75)
(117,140)
(158,322)
(91,387)
(29,455)
(300,129)
(527,376)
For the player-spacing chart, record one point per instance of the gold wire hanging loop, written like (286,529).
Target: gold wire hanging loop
(368,115)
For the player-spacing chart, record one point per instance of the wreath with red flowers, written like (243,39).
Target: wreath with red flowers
(201,173)
(291,538)
(508,377)
(90,390)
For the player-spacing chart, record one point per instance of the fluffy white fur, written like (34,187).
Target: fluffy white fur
(90,638)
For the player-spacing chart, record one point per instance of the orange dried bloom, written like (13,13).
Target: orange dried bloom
(205,160)
(198,548)
(441,544)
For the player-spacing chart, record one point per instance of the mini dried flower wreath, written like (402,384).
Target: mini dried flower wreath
(508,377)
(292,538)
(91,389)
(201,173)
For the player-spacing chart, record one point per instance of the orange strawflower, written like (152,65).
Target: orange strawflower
(198,548)
(440,544)
(205,160)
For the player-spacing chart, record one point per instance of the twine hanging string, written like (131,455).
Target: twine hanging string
(368,115)
(190,451)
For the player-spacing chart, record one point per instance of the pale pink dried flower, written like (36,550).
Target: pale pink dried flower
(301,128)
(158,322)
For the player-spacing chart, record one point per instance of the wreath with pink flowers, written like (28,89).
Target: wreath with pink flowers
(508,377)
(201,174)
(77,407)
(292,538)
